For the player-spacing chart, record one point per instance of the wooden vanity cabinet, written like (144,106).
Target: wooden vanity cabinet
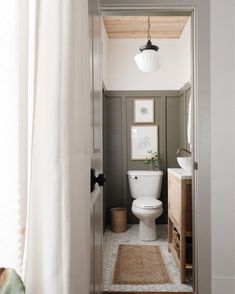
(180,222)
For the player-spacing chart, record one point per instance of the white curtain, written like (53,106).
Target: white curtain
(10,136)
(57,249)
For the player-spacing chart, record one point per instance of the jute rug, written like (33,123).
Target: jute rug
(140,265)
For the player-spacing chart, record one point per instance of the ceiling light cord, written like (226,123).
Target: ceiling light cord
(148,30)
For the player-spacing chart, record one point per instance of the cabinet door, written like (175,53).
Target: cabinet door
(174,200)
(189,217)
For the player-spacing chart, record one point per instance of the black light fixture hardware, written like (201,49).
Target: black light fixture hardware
(149,45)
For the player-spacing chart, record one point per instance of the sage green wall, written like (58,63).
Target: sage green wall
(118,117)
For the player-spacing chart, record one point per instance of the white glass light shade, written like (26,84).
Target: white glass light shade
(147,60)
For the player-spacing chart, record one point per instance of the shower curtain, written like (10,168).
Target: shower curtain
(57,238)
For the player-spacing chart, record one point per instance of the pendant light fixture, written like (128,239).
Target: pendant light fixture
(146,60)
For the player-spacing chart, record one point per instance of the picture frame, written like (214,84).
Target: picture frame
(143,139)
(144,110)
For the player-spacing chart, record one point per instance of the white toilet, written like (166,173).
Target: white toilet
(146,186)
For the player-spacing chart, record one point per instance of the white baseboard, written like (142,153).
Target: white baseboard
(223,285)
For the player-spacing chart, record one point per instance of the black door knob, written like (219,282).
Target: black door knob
(100,180)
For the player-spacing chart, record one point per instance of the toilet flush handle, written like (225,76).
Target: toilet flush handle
(134,177)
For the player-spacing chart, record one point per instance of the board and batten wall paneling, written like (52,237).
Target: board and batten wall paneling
(177,124)
(112,150)
(118,118)
(172,129)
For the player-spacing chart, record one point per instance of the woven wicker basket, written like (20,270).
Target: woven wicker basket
(176,236)
(176,242)
(118,219)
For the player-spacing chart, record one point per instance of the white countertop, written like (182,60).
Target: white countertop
(180,173)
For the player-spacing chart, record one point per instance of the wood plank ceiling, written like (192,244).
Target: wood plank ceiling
(133,27)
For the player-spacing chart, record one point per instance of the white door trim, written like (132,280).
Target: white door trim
(201,75)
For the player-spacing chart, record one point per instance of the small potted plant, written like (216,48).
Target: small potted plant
(152,160)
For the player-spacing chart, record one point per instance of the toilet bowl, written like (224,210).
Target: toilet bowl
(145,187)
(147,209)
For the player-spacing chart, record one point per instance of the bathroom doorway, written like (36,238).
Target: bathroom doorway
(200,87)
(167,95)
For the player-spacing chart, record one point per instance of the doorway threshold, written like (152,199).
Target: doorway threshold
(148,292)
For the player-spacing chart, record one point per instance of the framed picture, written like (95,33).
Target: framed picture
(144,110)
(143,139)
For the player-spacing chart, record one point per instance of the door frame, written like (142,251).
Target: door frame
(200,15)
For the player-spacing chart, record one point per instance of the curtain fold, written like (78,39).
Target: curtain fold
(57,234)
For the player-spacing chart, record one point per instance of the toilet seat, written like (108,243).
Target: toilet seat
(147,203)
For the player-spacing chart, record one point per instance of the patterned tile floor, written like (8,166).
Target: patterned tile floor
(111,242)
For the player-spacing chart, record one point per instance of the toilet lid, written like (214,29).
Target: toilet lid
(147,203)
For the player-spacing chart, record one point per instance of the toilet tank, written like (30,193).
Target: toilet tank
(144,183)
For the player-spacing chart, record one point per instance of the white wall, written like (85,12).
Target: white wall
(121,73)
(184,58)
(223,145)
(104,37)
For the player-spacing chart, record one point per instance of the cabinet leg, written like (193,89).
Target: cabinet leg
(182,258)
(182,276)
